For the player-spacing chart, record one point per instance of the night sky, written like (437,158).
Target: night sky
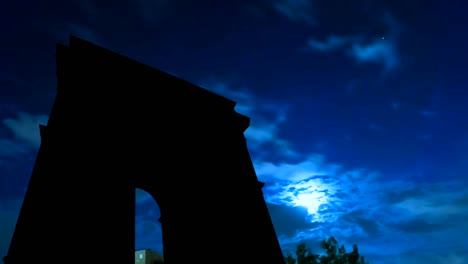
(359,118)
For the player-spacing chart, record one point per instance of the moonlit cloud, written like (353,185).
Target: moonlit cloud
(379,51)
(246,102)
(318,198)
(26,127)
(356,206)
(360,44)
(266,117)
(300,219)
(324,189)
(314,165)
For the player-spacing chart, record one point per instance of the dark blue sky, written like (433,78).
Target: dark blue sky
(358,108)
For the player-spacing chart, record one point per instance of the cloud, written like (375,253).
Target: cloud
(296,10)
(330,44)
(310,198)
(313,166)
(359,206)
(266,118)
(418,225)
(370,227)
(25,127)
(9,211)
(364,37)
(417,257)
(380,51)
(429,206)
(246,101)
(297,217)
(323,188)
(12,148)
(292,225)
(376,51)
(153,10)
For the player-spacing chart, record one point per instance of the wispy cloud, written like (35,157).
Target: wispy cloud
(364,46)
(330,44)
(266,117)
(313,166)
(296,10)
(377,51)
(25,127)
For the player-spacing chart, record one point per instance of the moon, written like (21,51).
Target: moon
(311,201)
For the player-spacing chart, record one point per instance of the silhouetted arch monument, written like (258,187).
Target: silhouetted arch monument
(117,125)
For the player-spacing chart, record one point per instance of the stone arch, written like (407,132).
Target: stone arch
(117,125)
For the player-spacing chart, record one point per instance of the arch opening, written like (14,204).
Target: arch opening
(148,230)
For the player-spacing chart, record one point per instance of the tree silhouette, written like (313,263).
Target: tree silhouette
(304,255)
(288,259)
(334,254)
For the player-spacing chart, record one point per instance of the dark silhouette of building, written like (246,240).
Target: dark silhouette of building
(117,125)
(148,256)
